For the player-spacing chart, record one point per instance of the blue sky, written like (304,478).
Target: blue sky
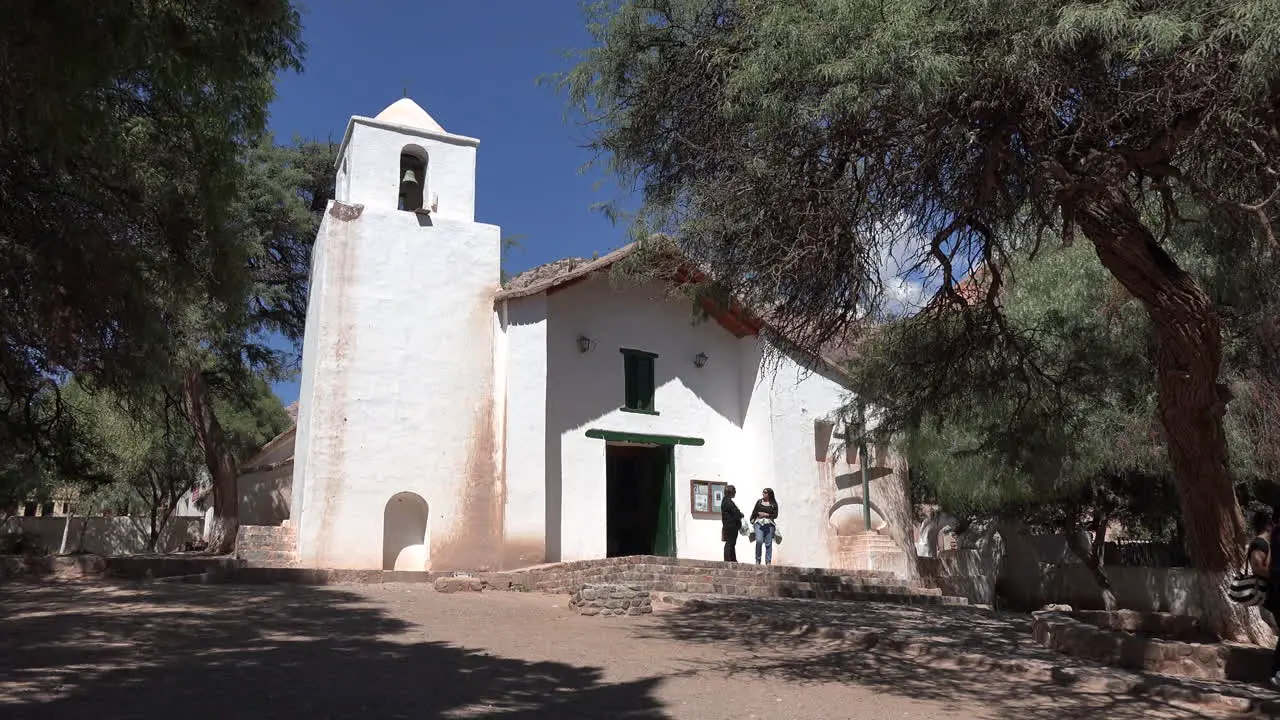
(474,66)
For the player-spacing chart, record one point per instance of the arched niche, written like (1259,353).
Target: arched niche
(404,533)
(413,166)
(845,517)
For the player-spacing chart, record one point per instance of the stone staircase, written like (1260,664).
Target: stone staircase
(701,577)
(871,551)
(273,546)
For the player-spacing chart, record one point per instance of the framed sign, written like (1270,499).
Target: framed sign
(705,497)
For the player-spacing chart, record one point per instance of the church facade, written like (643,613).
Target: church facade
(447,423)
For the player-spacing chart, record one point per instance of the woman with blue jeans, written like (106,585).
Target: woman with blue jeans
(764,517)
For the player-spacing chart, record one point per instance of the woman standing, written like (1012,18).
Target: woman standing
(764,517)
(730,522)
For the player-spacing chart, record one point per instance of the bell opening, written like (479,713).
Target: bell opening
(412,176)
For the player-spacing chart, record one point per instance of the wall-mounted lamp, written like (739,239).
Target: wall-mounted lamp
(585,344)
(700,360)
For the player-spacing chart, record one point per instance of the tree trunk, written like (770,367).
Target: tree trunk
(1188,361)
(166,502)
(66,531)
(1092,558)
(153,535)
(217,457)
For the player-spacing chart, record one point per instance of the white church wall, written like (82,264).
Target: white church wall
(796,398)
(586,390)
(402,344)
(526,428)
(313,328)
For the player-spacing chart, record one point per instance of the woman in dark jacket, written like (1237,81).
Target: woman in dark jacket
(764,517)
(730,522)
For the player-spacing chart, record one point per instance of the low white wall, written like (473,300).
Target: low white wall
(265,496)
(1027,585)
(105,535)
(1171,590)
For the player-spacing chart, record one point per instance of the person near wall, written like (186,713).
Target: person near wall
(764,518)
(730,522)
(1262,562)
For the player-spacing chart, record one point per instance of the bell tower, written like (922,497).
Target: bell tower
(396,453)
(402,159)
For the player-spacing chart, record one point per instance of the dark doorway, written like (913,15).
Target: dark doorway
(640,517)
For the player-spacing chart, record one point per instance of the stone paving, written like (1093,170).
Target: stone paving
(155,650)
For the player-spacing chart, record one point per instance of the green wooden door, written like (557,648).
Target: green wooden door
(664,540)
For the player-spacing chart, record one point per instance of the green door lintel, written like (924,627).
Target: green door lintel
(614,436)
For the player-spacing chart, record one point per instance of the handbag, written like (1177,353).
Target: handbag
(1248,589)
(744,529)
(777,534)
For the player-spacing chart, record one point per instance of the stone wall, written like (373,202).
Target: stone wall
(1203,661)
(606,600)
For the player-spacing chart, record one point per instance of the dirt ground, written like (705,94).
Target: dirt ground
(404,651)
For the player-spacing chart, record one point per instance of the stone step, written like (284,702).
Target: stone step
(730,579)
(256,532)
(874,541)
(269,558)
(851,584)
(661,599)
(784,588)
(696,575)
(648,562)
(871,540)
(267,545)
(748,570)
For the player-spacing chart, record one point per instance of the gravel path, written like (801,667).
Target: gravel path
(403,651)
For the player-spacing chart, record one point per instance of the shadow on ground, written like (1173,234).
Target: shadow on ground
(156,651)
(791,657)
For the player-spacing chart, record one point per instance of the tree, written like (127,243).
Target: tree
(149,451)
(222,351)
(39,442)
(1071,447)
(120,146)
(790,145)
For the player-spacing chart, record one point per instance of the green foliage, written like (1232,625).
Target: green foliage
(147,450)
(790,146)
(41,444)
(273,222)
(250,414)
(145,456)
(1072,422)
(120,160)
(793,146)
(508,243)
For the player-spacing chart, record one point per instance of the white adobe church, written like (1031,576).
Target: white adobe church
(447,423)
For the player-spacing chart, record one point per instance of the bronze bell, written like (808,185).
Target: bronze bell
(410,178)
